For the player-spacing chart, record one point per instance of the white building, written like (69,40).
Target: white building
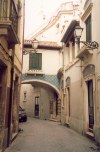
(40,91)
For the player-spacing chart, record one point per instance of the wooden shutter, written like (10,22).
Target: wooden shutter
(30,61)
(88,29)
(35,61)
(40,61)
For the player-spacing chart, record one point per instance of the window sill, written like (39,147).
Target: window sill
(38,72)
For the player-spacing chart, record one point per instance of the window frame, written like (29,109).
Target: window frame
(88,29)
(35,61)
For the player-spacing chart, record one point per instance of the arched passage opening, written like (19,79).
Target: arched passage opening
(40,99)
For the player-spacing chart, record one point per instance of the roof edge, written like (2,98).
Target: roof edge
(69,31)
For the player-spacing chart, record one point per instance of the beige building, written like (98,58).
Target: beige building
(80,74)
(11,39)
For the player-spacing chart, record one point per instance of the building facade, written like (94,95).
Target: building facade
(11,39)
(40,85)
(40,95)
(80,76)
(54,28)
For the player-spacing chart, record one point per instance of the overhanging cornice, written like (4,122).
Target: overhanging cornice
(43,45)
(87,12)
(69,32)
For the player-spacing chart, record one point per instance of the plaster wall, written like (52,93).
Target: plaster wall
(76,107)
(19,47)
(28,103)
(98,62)
(76,97)
(44,104)
(96,37)
(51,62)
(57,29)
(95,21)
(54,28)
(18,54)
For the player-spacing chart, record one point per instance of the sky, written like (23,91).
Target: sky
(38,11)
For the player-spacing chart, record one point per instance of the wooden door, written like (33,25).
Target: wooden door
(90,104)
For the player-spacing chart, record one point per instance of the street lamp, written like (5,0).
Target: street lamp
(34,44)
(78,32)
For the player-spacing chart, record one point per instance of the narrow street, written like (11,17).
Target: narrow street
(47,136)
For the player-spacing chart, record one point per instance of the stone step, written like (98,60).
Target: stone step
(55,120)
(90,135)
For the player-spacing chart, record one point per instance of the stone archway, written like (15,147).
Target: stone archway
(47,95)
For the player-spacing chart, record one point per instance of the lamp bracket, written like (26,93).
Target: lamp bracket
(91,45)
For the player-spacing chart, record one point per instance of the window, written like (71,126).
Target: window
(37,100)
(37,106)
(35,61)
(88,29)
(25,96)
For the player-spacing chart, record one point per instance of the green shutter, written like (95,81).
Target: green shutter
(35,61)
(40,61)
(88,29)
(30,61)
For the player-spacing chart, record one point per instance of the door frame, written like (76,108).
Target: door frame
(36,104)
(90,101)
(85,108)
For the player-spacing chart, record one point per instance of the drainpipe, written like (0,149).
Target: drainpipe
(23,28)
(63,97)
(63,74)
(64,68)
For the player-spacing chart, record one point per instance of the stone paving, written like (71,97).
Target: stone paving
(47,136)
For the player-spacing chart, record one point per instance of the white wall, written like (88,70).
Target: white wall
(51,31)
(51,62)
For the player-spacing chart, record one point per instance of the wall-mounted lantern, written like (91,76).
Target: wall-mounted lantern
(78,33)
(34,44)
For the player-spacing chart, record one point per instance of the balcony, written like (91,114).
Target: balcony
(84,52)
(9,21)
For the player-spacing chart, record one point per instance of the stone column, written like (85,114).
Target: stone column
(70,51)
(76,49)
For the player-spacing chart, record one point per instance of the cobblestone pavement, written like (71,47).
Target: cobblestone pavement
(47,136)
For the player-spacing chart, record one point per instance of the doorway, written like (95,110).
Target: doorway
(37,106)
(90,104)
(68,89)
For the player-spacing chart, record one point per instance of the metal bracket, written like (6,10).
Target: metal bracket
(25,52)
(92,45)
